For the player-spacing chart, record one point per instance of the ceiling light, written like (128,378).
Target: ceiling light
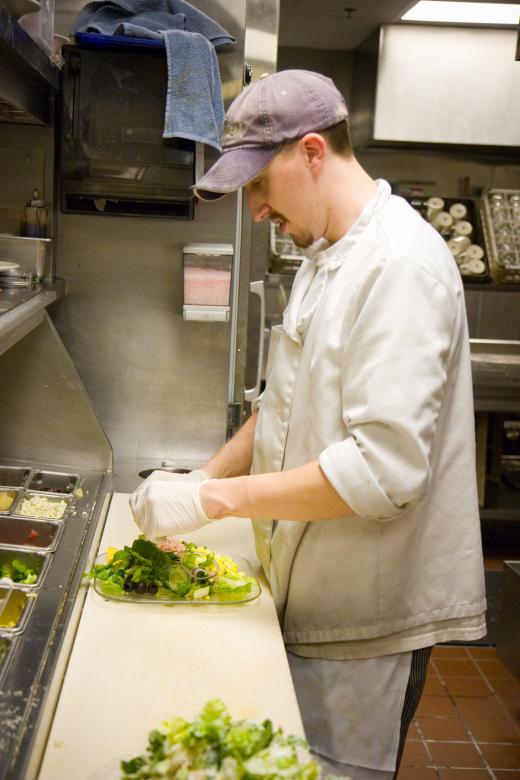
(463,13)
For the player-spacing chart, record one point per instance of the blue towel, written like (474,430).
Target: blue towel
(194,107)
(123,17)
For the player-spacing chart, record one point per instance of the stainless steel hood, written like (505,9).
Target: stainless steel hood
(435,85)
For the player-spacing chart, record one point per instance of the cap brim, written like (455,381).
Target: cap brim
(232,170)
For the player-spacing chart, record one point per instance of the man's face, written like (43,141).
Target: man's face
(282,193)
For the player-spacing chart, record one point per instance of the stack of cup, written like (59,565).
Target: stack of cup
(454,226)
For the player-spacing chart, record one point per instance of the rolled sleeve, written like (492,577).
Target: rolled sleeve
(347,471)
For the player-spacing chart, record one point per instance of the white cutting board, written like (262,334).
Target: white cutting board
(135,665)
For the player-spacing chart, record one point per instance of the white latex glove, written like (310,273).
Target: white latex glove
(168,508)
(198,475)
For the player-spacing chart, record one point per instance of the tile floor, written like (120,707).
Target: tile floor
(467,725)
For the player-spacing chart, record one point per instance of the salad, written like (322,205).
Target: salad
(173,571)
(214,747)
(18,572)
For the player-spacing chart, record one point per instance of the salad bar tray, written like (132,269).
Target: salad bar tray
(48,517)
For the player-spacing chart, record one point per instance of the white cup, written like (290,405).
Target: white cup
(443,222)
(462,228)
(476,266)
(458,211)
(433,207)
(458,245)
(474,252)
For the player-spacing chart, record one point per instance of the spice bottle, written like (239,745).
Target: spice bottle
(34,223)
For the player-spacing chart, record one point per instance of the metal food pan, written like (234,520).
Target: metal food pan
(53,482)
(33,560)
(13,476)
(41,535)
(19,604)
(10,493)
(7,644)
(38,513)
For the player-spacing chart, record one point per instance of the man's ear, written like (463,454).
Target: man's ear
(313,147)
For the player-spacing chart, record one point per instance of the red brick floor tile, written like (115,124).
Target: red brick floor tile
(475,651)
(434,687)
(444,729)
(479,707)
(436,707)
(464,774)
(468,686)
(414,754)
(455,754)
(450,651)
(494,669)
(413,734)
(417,773)
(491,730)
(501,756)
(458,667)
(512,707)
(507,774)
(508,689)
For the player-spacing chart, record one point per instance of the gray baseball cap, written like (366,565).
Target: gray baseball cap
(277,108)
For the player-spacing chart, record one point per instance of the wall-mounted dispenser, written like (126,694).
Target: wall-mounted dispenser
(207,281)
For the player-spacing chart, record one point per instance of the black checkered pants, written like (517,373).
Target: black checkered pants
(414,689)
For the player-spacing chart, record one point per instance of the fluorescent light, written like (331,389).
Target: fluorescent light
(463,13)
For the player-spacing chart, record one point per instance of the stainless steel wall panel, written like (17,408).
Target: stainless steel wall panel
(158,383)
(44,412)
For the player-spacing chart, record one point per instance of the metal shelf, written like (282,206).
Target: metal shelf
(22,309)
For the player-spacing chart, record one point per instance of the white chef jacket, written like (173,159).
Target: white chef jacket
(370,373)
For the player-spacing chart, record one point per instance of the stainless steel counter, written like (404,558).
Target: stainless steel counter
(37,648)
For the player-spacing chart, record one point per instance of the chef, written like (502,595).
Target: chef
(357,464)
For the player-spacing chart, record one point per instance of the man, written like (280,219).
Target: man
(358,465)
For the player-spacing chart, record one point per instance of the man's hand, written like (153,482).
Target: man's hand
(165,508)
(198,475)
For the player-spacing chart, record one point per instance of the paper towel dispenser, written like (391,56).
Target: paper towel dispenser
(113,158)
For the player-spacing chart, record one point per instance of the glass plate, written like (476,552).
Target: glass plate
(137,598)
(110,771)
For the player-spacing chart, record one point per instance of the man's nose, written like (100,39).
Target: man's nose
(259,211)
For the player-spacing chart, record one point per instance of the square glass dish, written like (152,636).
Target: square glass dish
(53,482)
(7,499)
(24,568)
(34,534)
(6,648)
(17,604)
(208,589)
(13,476)
(41,507)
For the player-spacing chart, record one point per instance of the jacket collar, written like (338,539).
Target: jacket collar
(311,279)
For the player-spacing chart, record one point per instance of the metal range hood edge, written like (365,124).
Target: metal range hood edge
(383,100)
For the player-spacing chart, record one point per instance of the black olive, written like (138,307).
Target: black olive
(140,587)
(128,586)
(199,575)
(152,588)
